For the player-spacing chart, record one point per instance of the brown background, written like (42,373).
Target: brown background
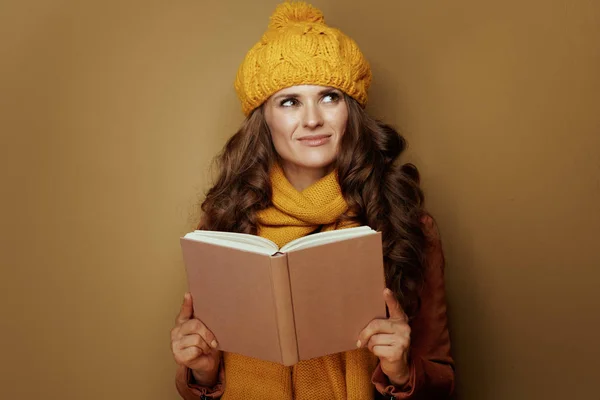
(110,112)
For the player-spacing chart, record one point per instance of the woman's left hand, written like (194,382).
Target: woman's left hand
(389,339)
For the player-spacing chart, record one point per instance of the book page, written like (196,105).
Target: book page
(321,238)
(241,241)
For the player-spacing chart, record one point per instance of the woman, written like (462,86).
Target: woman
(308,158)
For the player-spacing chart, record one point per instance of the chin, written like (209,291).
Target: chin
(315,164)
(315,159)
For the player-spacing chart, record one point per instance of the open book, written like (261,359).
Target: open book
(308,299)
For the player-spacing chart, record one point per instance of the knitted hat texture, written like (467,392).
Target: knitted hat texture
(298,48)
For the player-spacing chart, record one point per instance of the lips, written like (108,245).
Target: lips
(314,140)
(314,137)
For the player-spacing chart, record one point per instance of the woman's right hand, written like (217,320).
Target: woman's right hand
(194,346)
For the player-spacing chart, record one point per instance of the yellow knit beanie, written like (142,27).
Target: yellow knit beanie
(299,49)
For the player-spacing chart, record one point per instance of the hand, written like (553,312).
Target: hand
(194,346)
(389,340)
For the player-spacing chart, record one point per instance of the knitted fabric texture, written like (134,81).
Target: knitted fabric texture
(295,214)
(298,48)
(342,376)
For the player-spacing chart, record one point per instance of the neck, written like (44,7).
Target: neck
(302,177)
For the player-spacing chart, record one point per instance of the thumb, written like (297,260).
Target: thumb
(393,305)
(187,309)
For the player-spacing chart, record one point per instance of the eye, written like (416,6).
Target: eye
(331,97)
(288,102)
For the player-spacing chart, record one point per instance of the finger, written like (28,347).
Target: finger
(375,326)
(175,335)
(193,340)
(187,309)
(399,339)
(187,355)
(383,351)
(393,305)
(381,339)
(389,353)
(194,325)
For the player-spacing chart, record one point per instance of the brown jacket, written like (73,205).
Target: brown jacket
(431,365)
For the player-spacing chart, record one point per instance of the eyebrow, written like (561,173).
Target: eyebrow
(296,95)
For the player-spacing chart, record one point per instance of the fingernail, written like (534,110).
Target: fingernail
(186,295)
(213,344)
(358,343)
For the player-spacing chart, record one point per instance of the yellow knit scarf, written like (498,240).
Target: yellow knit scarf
(338,376)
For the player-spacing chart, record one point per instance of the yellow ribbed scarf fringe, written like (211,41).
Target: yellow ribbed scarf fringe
(342,376)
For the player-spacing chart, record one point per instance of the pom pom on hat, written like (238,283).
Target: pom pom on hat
(295,12)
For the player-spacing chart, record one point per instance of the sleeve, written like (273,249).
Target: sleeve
(431,365)
(189,390)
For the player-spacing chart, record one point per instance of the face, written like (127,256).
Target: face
(307,123)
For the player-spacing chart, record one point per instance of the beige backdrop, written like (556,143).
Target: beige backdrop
(110,112)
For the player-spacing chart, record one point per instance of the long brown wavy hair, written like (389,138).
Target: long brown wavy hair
(380,191)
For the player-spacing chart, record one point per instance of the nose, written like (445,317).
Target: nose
(313,116)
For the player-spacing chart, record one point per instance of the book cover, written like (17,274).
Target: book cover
(285,307)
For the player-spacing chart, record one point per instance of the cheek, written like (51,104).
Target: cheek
(280,137)
(340,120)
(282,127)
(343,127)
